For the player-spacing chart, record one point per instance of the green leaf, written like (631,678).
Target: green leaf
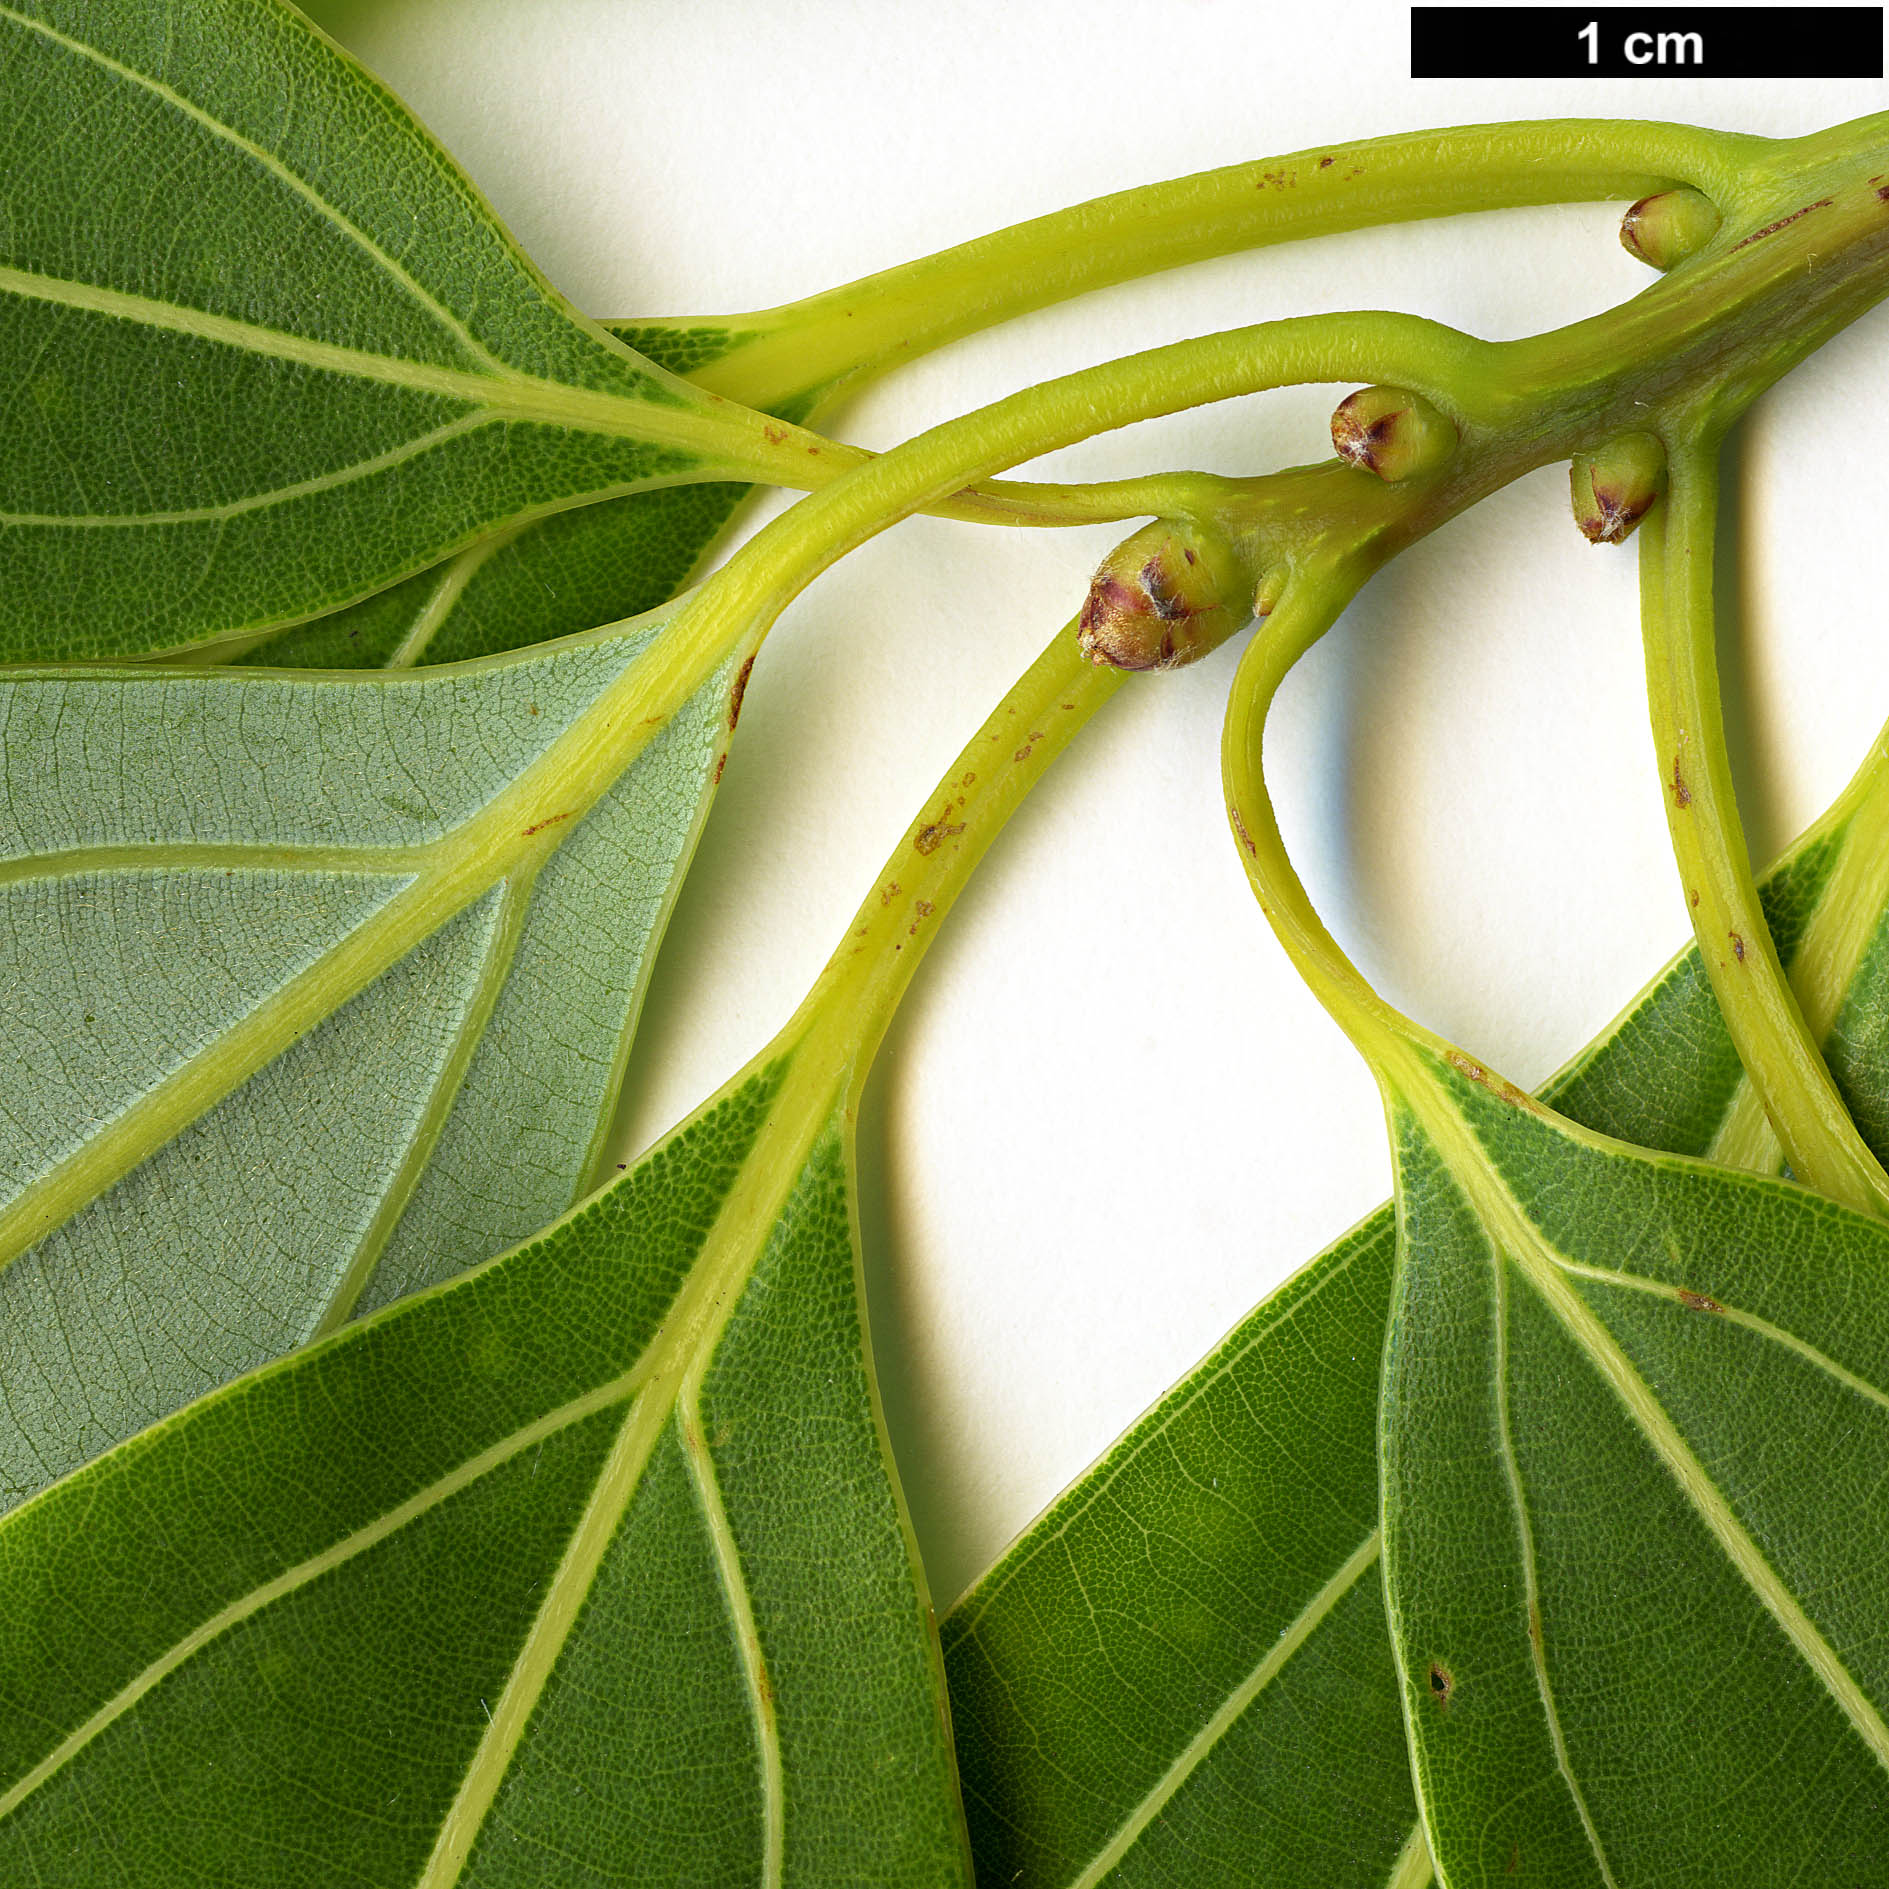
(528,584)
(287,356)
(586,1567)
(333,981)
(1635,1446)
(533,582)
(1183,1665)
(1180,1673)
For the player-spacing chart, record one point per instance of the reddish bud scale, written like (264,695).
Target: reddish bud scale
(1162,598)
(1614,488)
(1392,432)
(1664,230)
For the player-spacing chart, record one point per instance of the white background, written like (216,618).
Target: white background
(1109,1120)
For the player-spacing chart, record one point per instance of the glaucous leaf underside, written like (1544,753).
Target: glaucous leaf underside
(325,1004)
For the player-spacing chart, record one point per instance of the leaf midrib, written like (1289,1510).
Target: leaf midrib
(670,1366)
(1734,1315)
(657,1383)
(506,392)
(494,1457)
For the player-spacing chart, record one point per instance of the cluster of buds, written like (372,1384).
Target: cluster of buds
(1177,589)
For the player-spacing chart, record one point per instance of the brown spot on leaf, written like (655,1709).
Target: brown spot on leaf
(721,761)
(1515,1859)
(1325,163)
(773,434)
(1239,827)
(1693,899)
(1698,1302)
(1738,946)
(1682,794)
(1499,1086)
(1441,1684)
(554,820)
(1468,1066)
(735,695)
(890,893)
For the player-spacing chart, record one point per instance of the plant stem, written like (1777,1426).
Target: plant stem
(1314,598)
(1774,1042)
(853,1002)
(792,550)
(1830,952)
(849,335)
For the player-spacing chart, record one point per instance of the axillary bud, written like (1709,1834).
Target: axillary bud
(1392,432)
(1164,597)
(1614,487)
(1665,229)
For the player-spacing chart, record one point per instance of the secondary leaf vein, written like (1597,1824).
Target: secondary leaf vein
(291,1579)
(1201,1745)
(329,481)
(1531,1585)
(747,1638)
(510,393)
(272,164)
(1543,1267)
